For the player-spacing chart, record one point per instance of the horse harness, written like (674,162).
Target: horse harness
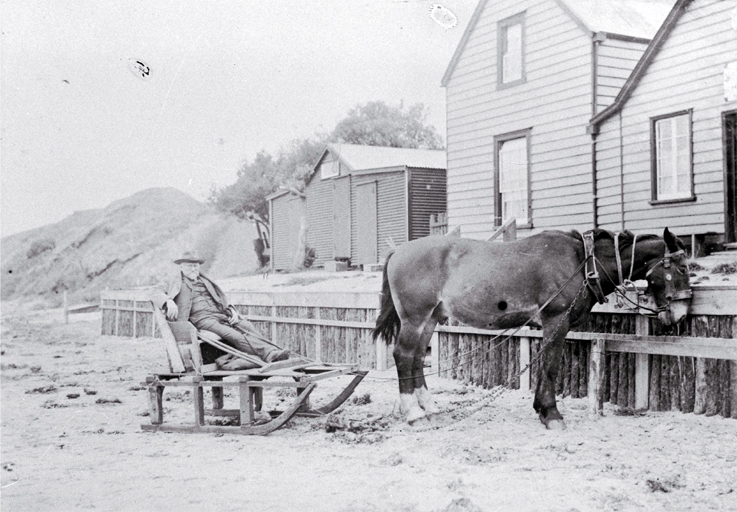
(593,280)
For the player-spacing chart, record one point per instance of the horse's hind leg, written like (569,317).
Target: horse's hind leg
(424,398)
(408,354)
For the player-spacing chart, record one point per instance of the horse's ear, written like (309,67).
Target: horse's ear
(671,241)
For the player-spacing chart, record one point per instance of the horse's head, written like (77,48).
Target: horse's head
(668,281)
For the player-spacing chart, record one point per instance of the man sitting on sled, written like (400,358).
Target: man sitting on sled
(191,296)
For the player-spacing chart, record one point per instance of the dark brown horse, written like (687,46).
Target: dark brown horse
(503,285)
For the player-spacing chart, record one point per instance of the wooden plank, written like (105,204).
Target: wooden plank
(524,361)
(155,396)
(654,395)
(597,368)
(245,400)
(642,379)
(664,404)
(614,378)
(199,403)
(688,386)
(733,389)
(172,349)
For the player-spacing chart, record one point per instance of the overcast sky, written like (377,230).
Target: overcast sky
(227,79)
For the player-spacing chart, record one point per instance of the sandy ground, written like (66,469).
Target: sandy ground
(72,406)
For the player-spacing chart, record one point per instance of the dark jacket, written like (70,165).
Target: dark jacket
(176,288)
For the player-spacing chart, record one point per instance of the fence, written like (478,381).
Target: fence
(325,326)
(439,223)
(620,357)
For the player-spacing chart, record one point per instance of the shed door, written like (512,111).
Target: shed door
(730,164)
(367,242)
(342,217)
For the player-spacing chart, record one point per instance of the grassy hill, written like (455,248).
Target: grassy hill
(129,243)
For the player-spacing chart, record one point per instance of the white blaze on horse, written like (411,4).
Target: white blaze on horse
(551,280)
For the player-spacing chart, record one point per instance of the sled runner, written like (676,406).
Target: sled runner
(186,370)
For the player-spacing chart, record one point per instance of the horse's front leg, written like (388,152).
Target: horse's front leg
(554,335)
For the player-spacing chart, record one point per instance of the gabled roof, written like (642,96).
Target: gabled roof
(361,158)
(631,18)
(637,19)
(650,52)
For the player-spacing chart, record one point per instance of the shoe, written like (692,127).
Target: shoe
(279,355)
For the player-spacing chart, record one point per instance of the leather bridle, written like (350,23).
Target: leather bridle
(593,281)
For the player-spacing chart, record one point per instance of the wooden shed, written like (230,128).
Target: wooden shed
(524,82)
(665,150)
(357,198)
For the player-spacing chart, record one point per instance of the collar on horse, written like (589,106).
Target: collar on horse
(593,281)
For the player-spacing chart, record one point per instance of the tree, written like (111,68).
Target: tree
(378,124)
(372,124)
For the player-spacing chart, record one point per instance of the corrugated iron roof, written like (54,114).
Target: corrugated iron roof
(360,158)
(634,18)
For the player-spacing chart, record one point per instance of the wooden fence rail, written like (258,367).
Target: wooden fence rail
(621,357)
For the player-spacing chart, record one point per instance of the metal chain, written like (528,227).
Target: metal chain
(497,391)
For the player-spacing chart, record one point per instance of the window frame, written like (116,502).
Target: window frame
(501,29)
(655,199)
(525,133)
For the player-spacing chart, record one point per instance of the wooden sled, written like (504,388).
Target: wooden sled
(187,370)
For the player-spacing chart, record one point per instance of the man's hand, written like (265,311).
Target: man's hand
(234,316)
(172,311)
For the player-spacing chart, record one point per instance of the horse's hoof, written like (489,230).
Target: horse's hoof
(415,418)
(556,425)
(431,411)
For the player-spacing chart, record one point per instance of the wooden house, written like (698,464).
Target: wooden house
(357,201)
(525,80)
(666,148)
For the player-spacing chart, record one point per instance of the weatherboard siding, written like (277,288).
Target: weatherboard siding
(282,246)
(615,61)
(687,73)
(555,102)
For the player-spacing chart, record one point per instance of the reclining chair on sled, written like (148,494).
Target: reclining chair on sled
(185,347)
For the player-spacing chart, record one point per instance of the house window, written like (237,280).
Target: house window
(330,168)
(511,51)
(512,179)
(672,163)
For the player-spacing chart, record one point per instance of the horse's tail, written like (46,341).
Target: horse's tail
(387,323)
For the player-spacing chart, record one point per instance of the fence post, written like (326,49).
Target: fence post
(598,361)
(642,366)
(524,360)
(318,337)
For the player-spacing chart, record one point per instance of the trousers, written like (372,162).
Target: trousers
(235,337)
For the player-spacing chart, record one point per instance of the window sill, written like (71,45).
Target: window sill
(665,202)
(506,85)
(519,226)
